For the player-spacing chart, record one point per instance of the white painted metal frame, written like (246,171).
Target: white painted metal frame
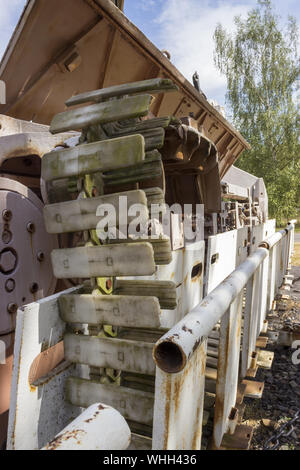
(176,352)
(179,390)
(38,413)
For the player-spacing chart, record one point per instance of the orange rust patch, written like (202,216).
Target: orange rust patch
(75,434)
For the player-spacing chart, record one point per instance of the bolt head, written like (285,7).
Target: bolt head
(10,285)
(12,308)
(6,236)
(7,215)
(8,261)
(30,227)
(34,287)
(40,256)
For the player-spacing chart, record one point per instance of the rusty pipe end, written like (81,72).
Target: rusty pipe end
(169,356)
(265,245)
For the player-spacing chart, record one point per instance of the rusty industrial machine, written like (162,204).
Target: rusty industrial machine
(95,111)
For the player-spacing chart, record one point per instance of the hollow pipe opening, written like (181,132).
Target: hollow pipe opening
(169,357)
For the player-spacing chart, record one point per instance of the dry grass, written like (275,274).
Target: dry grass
(296,256)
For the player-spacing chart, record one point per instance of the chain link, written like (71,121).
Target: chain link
(284,431)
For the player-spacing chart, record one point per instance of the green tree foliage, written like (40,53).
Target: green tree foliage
(261,64)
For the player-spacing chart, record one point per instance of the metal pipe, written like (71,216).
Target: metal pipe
(99,427)
(173,350)
(275,238)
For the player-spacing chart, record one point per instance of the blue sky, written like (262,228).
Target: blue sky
(183,27)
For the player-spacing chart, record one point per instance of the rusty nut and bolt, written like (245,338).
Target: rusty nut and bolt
(40,256)
(30,227)
(7,215)
(12,308)
(34,287)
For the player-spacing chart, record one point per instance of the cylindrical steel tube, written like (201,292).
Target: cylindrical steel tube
(173,350)
(276,237)
(99,427)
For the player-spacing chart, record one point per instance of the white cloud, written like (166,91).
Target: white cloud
(10,11)
(186,31)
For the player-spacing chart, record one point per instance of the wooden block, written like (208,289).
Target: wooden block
(117,310)
(95,157)
(165,291)
(265,359)
(149,169)
(154,85)
(161,248)
(116,110)
(104,261)
(252,372)
(83,393)
(83,214)
(240,440)
(253,389)
(132,356)
(261,341)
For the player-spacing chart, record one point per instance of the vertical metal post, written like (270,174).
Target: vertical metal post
(271,277)
(250,322)
(178,405)
(263,287)
(228,368)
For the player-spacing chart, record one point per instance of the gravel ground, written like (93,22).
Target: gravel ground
(281,397)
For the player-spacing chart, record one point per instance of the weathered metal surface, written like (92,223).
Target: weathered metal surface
(132,356)
(253,389)
(108,260)
(27,144)
(186,336)
(82,214)
(161,246)
(185,343)
(25,249)
(174,352)
(37,414)
(240,440)
(178,409)
(265,359)
(225,252)
(134,405)
(165,291)
(250,322)
(228,369)
(186,271)
(89,158)
(118,310)
(100,427)
(11,126)
(101,113)
(155,85)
